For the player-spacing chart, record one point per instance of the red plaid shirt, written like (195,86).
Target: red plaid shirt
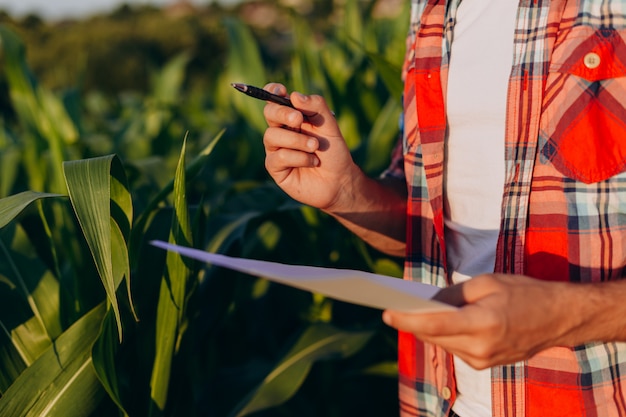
(564,201)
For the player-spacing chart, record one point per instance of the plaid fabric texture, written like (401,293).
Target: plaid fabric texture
(564,201)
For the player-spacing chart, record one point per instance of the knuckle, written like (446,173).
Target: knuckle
(274,87)
(268,164)
(480,364)
(269,137)
(317,99)
(267,112)
(494,322)
(484,353)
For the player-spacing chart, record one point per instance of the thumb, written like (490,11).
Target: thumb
(452,295)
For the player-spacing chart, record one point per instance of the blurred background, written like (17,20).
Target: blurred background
(118,125)
(76,9)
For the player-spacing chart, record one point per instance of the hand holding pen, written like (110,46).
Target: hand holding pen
(306,154)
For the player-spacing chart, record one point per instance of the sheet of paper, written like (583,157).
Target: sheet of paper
(357,287)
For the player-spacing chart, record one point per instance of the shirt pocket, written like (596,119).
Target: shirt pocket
(583,122)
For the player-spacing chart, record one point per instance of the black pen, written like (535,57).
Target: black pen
(261,94)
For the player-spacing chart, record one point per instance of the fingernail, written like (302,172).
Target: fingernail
(316,161)
(311,144)
(301,96)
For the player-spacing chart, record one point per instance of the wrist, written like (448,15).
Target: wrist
(351,194)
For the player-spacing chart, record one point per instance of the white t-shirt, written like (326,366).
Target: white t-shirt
(480,66)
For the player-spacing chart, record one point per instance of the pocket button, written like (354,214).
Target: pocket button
(592,60)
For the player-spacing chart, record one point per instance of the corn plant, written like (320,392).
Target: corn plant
(97,322)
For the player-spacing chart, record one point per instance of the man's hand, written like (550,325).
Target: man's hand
(306,154)
(308,158)
(504,318)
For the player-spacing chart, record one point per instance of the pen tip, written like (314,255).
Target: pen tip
(239,86)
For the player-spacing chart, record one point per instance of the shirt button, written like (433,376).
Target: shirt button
(446,393)
(592,60)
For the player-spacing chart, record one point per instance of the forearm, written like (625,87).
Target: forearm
(374,210)
(596,312)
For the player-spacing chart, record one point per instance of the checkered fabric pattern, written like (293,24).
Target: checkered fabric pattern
(564,201)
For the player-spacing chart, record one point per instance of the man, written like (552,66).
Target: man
(508,189)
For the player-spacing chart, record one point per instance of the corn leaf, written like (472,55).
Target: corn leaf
(387,369)
(38,110)
(10,159)
(30,301)
(172,297)
(12,206)
(101,203)
(389,73)
(29,295)
(318,342)
(306,67)
(194,167)
(103,356)
(62,382)
(382,137)
(168,82)
(245,65)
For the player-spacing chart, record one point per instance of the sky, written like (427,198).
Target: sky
(60,9)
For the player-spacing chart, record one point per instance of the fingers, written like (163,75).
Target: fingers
(295,135)
(287,150)
(276,88)
(455,332)
(277,115)
(311,106)
(283,116)
(314,107)
(276,138)
(426,325)
(282,163)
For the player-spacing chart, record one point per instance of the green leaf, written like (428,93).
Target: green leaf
(42,113)
(34,320)
(306,67)
(318,342)
(167,83)
(194,167)
(231,231)
(62,382)
(245,65)
(10,159)
(173,295)
(390,74)
(98,201)
(385,369)
(12,206)
(382,137)
(103,356)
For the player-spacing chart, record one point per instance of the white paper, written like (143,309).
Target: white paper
(357,287)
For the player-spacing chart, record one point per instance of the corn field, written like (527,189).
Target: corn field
(97,322)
